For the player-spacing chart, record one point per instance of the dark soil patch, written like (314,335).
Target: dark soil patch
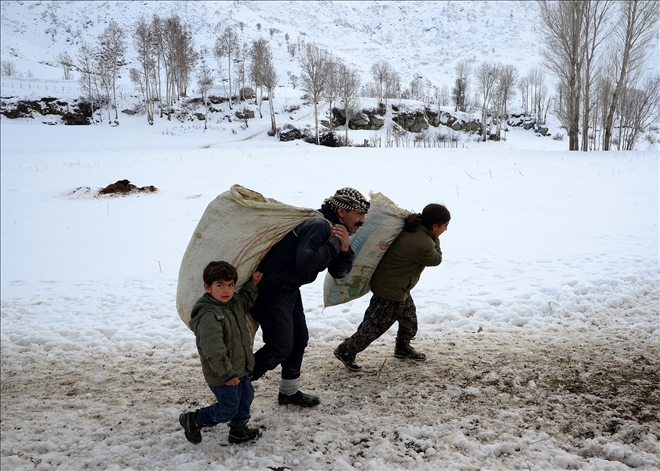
(124,187)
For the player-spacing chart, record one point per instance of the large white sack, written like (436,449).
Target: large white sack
(382,224)
(239,227)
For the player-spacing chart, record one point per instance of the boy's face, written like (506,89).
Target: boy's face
(221,290)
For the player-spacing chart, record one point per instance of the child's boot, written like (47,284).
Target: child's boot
(191,427)
(347,359)
(406,351)
(243,433)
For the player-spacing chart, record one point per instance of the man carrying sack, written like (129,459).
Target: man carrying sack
(296,260)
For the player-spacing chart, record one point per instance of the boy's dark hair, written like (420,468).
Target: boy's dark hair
(432,214)
(219,271)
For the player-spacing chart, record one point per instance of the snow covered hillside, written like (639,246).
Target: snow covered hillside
(417,38)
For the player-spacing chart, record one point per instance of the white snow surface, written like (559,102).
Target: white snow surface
(541,325)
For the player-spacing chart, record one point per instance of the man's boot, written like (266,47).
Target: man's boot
(299,399)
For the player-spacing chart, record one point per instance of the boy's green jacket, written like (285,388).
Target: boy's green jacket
(400,268)
(223,339)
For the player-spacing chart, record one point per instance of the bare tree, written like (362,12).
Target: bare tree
(639,108)
(392,85)
(523,86)
(441,95)
(637,27)
(381,72)
(291,49)
(486,76)
(204,82)
(186,60)
(460,90)
(293,79)
(312,65)
(176,55)
(241,72)
(111,55)
(9,68)
(332,84)
(542,104)
(88,74)
(349,84)
(168,36)
(145,75)
(226,46)
(538,91)
(506,83)
(563,26)
(417,88)
(269,80)
(604,87)
(157,40)
(596,30)
(66,62)
(258,53)
(103,75)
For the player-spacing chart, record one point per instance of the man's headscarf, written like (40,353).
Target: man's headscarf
(349,199)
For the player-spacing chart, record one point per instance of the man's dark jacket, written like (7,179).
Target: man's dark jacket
(303,253)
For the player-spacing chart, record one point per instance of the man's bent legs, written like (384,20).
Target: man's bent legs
(292,364)
(282,320)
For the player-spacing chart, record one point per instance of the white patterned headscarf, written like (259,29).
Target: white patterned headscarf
(349,199)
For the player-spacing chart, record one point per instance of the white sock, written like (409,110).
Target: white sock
(289,386)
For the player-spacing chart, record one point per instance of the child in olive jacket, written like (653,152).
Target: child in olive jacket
(225,351)
(396,275)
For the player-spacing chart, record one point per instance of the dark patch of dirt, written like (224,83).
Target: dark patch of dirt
(125,187)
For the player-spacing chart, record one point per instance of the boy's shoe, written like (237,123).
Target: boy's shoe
(406,351)
(299,399)
(191,427)
(243,434)
(347,360)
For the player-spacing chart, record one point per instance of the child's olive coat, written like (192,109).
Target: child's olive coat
(223,339)
(400,268)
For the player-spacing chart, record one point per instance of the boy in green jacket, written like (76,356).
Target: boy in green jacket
(225,350)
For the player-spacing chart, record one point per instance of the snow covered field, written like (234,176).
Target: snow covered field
(541,325)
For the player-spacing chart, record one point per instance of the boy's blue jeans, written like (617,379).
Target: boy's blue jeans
(233,405)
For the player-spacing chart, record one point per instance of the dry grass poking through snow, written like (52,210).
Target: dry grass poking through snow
(532,399)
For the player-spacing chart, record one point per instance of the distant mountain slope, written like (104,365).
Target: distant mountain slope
(417,38)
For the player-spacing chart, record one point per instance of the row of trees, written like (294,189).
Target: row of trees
(324,76)
(488,88)
(99,68)
(166,57)
(495,86)
(597,49)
